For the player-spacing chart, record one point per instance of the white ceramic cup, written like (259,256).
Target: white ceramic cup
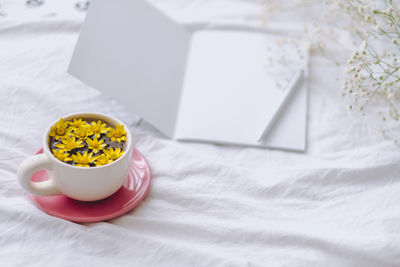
(80,183)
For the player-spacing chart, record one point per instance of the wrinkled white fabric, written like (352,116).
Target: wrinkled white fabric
(335,205)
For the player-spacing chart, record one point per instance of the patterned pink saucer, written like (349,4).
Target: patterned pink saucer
(126,198)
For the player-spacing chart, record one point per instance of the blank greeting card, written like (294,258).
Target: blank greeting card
(207,86)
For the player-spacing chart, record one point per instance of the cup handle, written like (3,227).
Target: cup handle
(31,165)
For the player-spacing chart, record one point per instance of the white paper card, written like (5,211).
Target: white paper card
(208,86)
(228,93)
(132,51)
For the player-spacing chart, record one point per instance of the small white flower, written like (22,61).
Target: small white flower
(363,45)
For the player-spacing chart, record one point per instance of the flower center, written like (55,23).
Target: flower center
(96,128)
(118,134)
(60,131)
(70,146)
(83,160)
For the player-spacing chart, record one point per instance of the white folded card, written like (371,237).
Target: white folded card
(208,85)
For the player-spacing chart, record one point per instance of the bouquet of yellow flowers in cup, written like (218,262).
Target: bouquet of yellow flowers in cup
(86,143)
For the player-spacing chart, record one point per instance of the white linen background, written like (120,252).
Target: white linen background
(209,205)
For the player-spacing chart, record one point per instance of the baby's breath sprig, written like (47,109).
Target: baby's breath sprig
(373,73)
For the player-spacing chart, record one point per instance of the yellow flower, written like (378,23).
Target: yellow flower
(118,134)
(83,131)
(76,123)
(103,159)
(59,129)
(70,143)
(113,154)
(83,160)
(99,128)
(95,145)
(61,155)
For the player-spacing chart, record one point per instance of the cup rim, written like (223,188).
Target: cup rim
(46,147)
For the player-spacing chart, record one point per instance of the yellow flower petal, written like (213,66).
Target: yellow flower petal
(61,155)
(117,134)
(83,131)
(77,122)
(103,159)
(69,143)
(99,128)
(83,160)
(95,144)
(59,129)
(113,154)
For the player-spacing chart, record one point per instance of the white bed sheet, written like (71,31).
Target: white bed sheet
(336,205)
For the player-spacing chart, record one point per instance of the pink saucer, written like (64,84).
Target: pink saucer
(126,198)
